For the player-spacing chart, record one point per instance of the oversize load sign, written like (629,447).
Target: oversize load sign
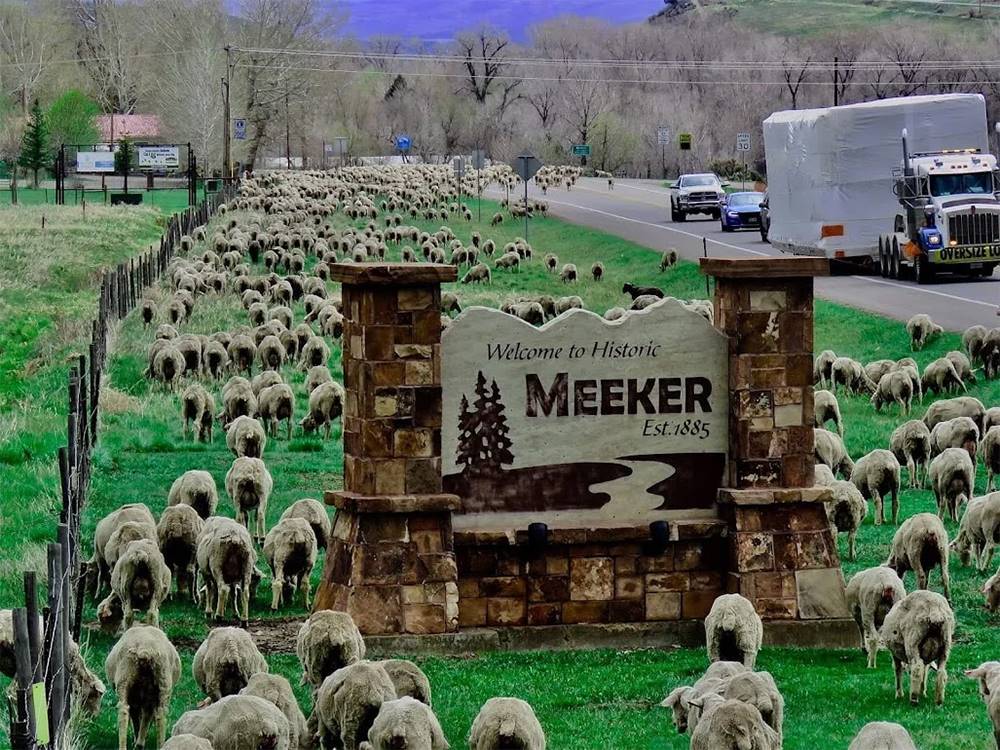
(159,156)
(968,254)
(584,421)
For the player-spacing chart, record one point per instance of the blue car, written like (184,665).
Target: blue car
(741,211)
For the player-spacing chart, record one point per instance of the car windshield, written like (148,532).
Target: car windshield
(698,180)
(746,199)
(970,183)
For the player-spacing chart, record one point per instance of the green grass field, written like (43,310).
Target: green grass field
(167,200)
(585,700)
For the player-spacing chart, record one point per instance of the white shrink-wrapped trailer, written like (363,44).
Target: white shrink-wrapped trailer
(830,171)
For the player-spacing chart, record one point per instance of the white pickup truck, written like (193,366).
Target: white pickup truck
(696,194)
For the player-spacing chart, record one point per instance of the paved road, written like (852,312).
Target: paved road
(638,210)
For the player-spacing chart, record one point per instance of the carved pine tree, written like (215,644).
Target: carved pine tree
(483,433)
(498,442)
(468,422)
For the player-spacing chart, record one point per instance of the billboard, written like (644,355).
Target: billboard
(95,161)
(159,157)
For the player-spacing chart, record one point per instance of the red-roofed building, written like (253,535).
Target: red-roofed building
(116,127)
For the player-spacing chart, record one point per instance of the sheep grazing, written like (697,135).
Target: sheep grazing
(978,531)
(822,476)
(920,544)
(450,304)
(290,551)
(733,630)
(277,690)
(893,388)
(124,535)
(615,313)
(668,260)
(508,262)
(882,735)
(197,489)
(143,667)
(478,274)
(408,679)
(940,376)
(713,680)
(141,579)
(826,408)
(529,312)
(168,366)
(216,359)
(242,352)
(830,450)
(271,353)
(759,690)
(823,368)
(851,374)
(597,271)
(962,406)
(960,432)
(506,723)
(326,642)
(326,403)
(921,329)
(963,366)
(198,409)
(238,400)
(991,455)
(910,443)
(263,380)
(315,513)
(177,535)
(917,632)
(148,312)
(497,219)
(871,594)
(551,262)
(314,353)
(187,742)
(846,511)
(249,485)
(276,404)
(952,476)
(731,724)
(987,675)
(405,724)
(565,304)
(246,437)
(237,722)
(225,661)
(226,559)
(347,703)
(99,565)
(875,370)
(635,292)
(316,376)
(876,475)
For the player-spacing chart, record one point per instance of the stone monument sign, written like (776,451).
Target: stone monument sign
(584,421)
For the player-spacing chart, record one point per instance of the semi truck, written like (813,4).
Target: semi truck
(905,186)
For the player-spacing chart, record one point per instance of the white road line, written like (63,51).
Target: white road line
(911,288)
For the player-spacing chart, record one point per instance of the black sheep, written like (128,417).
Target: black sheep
(638,291)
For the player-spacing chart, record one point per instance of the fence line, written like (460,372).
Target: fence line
(43,652)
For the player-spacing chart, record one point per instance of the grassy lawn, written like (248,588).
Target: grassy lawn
(585,700)
(167,200)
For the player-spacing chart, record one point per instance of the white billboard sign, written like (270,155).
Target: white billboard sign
(159,157)
(95,161)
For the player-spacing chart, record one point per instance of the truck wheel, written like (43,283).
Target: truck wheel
(673,212)
(923,271)
(897,266)
(681,216)
(763,235)
(883,261)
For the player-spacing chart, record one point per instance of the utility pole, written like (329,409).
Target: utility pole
(227,159)
(836,81)
(288,134)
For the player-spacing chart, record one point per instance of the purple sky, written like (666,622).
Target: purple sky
(434,20)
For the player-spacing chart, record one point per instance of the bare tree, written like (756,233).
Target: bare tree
(110,45)
(25,50)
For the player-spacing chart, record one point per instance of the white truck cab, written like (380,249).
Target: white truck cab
(696,194)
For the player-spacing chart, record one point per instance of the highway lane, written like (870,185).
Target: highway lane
(638,210)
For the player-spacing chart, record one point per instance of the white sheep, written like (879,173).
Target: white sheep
(846,510)
(830,450)
(987,675)
(949,408)
(187,742)
(952,476)
(959,432)
(327,641)
(141,579)
(314,512)
(408,679)
(940,376)
(177,534)
(249,485)
(168,366)
(98,565)
(759,690)
(264,379)
(823,368)
(990,448)
(921,329)
(963,366)
(198,409)
(314,353)
(978,531)
(882,735)
(894,387)
(825,408)
(918,632)
(565,304)
(347,703)
(143,667)
(910,443)
(197,489)
(733,630)
(876,475)
(920,544)
(713,680)
(326,403)
(237,722)
(277,690)
(478,274)
(823,476)
(851,374)
(405,724)
(504,723)
(225,661)
(277,403)
(871,594)
(733,724)
(668,259)
(238,400)
(316,376)
(508,261)
(226,560)
(290,551)
(246,437)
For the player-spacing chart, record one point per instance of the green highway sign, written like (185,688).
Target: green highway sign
(581,149)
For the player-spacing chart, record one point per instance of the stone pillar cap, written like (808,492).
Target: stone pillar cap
(393,274)
(355,503)
(776,496)
(765,268)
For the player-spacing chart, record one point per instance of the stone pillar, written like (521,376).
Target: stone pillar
(391,558)
(783,552)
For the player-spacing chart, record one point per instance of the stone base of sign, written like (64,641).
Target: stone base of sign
(590,575)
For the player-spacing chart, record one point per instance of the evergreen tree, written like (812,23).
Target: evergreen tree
(498,433)
(35,143)
(468,423)
(477,445)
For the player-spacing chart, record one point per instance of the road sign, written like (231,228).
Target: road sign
(478,159)
(458,164)
(581,149)
(684,141)
(240,129)
(742,141)
(403,142)
(663,136)
(159,157)
(526,165)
